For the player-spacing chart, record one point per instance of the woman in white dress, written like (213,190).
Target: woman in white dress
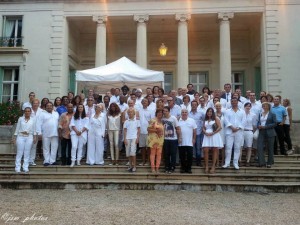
(24,137)
(212,138)
(79,128)
(220,114)
(96,137)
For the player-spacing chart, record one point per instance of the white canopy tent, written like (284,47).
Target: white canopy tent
(116,74)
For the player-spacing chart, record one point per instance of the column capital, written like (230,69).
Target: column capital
(99,19)
(141,18)
(225,16)
(182,17)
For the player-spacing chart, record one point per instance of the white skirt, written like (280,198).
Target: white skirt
(213,141)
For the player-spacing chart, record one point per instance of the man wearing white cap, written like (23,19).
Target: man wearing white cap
(139,97)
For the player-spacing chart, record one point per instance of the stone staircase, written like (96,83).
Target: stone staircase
(284,176)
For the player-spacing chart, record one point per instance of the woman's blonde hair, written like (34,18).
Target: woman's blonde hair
(267,103)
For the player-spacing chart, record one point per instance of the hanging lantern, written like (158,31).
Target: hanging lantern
(163,50)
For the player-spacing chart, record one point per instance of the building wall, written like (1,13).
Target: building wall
(289,38)
(55,46)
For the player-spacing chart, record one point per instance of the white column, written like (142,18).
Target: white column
(225,51)
(141,40)
(100,57)
(183,51)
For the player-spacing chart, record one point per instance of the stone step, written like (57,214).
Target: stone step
(153,184)
(233,176)
(278,163)
(281,157)
(195,169)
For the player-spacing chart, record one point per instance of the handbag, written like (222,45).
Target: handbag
(255,135)
(214,127)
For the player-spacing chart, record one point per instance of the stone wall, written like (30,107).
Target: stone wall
(6,133)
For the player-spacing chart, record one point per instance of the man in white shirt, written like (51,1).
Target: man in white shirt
(29,104)
(145,115)
(90,95)
(122,105)
(217,94)
(184,93)
(47,129)
(242,99)
(148,91)
(35,113)
(175,110)
(90,107)
(235,119)
(188,128)
(105,103)
(255,105)
(114,95)
(179,93)
(152,105)
(138,95)
(137,105)
(202,107)
(198,116)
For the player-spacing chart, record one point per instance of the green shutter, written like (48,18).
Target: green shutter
(257,83)
(1,79)
(72,80)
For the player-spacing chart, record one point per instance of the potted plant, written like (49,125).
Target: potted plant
(9,115)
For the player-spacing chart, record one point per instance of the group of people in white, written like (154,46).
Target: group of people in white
(185,121)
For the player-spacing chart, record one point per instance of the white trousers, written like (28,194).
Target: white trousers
(95,149)
(235,139)
(50,145)
(113,136)
(24,145)
(32,153)
(77,146)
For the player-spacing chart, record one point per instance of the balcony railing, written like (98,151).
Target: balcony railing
(10,42)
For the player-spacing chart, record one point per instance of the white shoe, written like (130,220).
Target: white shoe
(290,152)
(72,164)
(127,164)
(225,166)
(78,163)
(236,167)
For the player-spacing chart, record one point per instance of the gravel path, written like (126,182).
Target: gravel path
(146,207)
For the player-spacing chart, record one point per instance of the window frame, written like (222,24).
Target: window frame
(12,82)
(240,85)
(16,36)
(201,72)
(168,73)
